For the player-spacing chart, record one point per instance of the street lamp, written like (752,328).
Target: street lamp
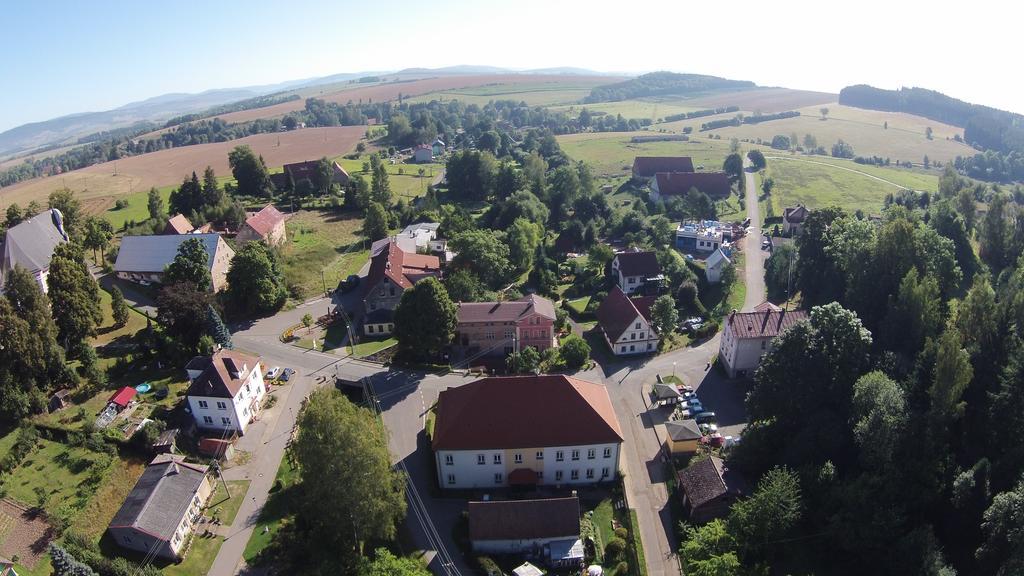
(673,369)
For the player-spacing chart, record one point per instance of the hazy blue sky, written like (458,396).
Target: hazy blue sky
(76,56)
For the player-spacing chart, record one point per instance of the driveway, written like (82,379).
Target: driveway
(138,297)
(755,257)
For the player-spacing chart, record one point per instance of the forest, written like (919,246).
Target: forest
(663,84)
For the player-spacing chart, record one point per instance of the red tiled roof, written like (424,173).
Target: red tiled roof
(178,224)
(648,166)
(618,311)
(505,311)
(714,184)
(123,396)
(639,264)
(525,412)
(764,323)
(524,519)
(264,221)
(403,268)
(223,374)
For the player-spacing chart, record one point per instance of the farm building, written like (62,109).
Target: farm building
(266,225)
(714,184)
(303,171)
(648,166)
(178,224)
(793,219)
(144,258)
(30,244)
(708,489)
(422,154)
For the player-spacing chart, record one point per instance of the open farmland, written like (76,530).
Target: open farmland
(170,166)
(832,182)
(612,153)
(539,94)
(865,130)
(765,100)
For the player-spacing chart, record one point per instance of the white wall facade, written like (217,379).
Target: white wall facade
(640,338)
(740,355)
(515,546)
(559,465)
(628,284)
(213,413)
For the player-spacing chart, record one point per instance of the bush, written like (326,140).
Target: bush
(488,566)
(575,351)
(614,550)
(622,533)
(120,204)
(622,568)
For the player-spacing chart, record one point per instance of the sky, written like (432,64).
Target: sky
(64,57)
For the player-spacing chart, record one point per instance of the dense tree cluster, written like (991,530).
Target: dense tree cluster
(663,84)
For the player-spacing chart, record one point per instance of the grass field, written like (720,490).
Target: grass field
(640,109)
(57,469)
(322,241)
(534,94)
(277,508)
(830,182)
(865,130)
(94,518)
(404,178)
(612,153)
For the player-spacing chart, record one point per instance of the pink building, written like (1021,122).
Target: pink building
(500,328)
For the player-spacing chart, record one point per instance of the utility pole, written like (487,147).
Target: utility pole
(324,281)
(216,470)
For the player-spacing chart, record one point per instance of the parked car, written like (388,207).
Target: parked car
(705,418)
(286,374)
(272,373)
(694,405)
(766,244)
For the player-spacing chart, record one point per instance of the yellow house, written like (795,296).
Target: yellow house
(682,436)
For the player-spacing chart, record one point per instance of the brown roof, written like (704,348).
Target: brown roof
(764,323)
(403,268)
(706,480)
(178,224)
(639,264)
(714,184)
(524,519)
(525,412)
(682,430)
(223,374)
(505,311)
(648,166)
(795,214)
(264,221)
(618,311)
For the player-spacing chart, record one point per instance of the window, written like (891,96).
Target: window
(369,328)
(245,411)
(559,456)
(392,290)
(203,404)
(763,343)
(207,420)
(497,477)
(623,350)
(449,460)
(225,421)
(489,335)
(451,478)
(574,475)
(637,327)
(632,335)
(540,455)
(632,280)
(497,458)
(540,476)
(481,459)
(607,452)
(247,390)
(649,345)
(591,453)
(518,458)
(510,333)
(632,348)
(604,472)
(558,475)
(590,473)
(575,454)
(222,405)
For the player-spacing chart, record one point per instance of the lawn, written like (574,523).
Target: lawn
(603,515)
(322,242)
(106,332)
(225,508)
(579,305)
(59,470)
(534,94)
(612,153)
(93,519)
(653,109)
(820,183)
(370,347)
(138,207)
(277,508)
(404,178)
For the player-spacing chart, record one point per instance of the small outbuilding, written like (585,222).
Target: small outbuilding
(682,436)
(665,394)
(714,265)
(708,489)
(122,398)
(527,569)
(165,443)
(59,400)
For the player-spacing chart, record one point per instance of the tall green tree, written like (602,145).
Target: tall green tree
(65,201)
(879,418)
(349,493)
(425,319)
(323,176)
(387,564)
(118,307)
(216,328)
(767,516)
(575,351)
(995,233)
(255,281)
(213,195)
(375,225)
(181,310)
(664,316)
(250,172)
(187,199)
(523,238)
(482,253)
(733,167)
(190,265)
(74,296)
(155,204)
(1002,552)
(98,232)
(463,286)
(710,550)
(756,158)
(14,215)
(380,186)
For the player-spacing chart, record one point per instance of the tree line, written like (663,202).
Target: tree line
(662,84)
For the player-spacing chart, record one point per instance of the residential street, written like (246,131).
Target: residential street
(755,256)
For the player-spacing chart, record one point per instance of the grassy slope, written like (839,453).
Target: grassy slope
(407,184)
(322,241)
(539,94)
(46,467)
(612,153)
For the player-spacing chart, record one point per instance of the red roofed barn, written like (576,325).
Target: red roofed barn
(648,166)
(266,225)
(714,184)
(526,430)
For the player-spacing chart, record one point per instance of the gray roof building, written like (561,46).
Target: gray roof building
(30,245)
(148,256)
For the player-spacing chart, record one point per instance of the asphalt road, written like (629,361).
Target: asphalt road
(755,256)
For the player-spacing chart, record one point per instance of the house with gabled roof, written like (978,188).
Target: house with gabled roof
(225,391)
(793,218)
(392,272)
(162,509)
(525,431)
(178,224)
(144,258)
(632,269)
(300,171)
(648,166)
(30,244)
(266,225)
(501,328)
(714,265)
(714,184)
(550,526)
(682,436)
(708,489)
(748,336)
(625,323)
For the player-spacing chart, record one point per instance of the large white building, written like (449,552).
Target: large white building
(526,430)
(747,336)
(226,390)
(626,323)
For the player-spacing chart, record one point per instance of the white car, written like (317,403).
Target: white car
(273,372)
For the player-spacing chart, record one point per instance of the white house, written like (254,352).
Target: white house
(699,237)
(793,219)
(526,431)
(422,233)
(30,244)
(422,154)
(632,270)
(714,265)
(549,526)
(226,390)
(626,323)
(747,336)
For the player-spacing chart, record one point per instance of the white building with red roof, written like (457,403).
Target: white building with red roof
(526,430)
(226,390)
(626,323)
(747,336)
(266,225)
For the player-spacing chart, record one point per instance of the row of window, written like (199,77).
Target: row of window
(384,328)
(517,458)
(220,405)
(574,474)
(225,421)
(632,348)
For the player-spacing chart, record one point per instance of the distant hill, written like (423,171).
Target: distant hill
(664,84)
(983,126)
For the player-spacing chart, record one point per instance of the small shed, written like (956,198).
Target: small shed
(222,449)
(682,436)
(165,442)
(664,394)
(528,569)
(59,400)
(122,398)
(715,265)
